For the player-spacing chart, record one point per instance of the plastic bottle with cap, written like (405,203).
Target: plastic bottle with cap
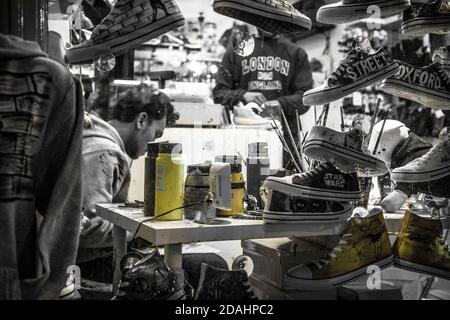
(169,182)
(237,185)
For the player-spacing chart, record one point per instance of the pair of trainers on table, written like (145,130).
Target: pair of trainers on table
(150,278)
(429,85)
(419,16)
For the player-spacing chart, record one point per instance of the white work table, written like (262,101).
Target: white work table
(172,234)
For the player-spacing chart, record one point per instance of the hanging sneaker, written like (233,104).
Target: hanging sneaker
(220,284)
(324,182)
(442,56)
(130,23)
(274,16)
(353,10)
(429,86)
(420,246)
(359,70)
(433,165)
(364,243)
(148,278)
(245,116)
(423,18)
(344,150)
(283,208)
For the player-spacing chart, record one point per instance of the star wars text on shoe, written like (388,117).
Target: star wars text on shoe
(353,10)
(130,23)
(365,242)
(274,16)
(359,70)
(324,182)
(429,86)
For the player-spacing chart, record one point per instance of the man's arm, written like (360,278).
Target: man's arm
(100,171)
(302,82)
(225,92)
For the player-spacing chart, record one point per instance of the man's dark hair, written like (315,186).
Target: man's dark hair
(144,99)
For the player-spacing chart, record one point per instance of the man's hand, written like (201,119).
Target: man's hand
(256,97)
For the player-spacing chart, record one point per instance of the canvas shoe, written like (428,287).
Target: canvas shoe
(352,10)
(424,18)
(429,86)
(274,16)
(365,242)
(220,284)
(359,70)
(344,150)
(148,278)
(324,182)
(421,247)
(283,208)
(130,23)
(442,56)
(433,165)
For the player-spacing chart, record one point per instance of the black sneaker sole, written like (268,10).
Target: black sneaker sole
(416,267)
(312,193)
(320,284)
(328,95)
(86,54)
(421,176)
(269,16)
(422,26)
(344,158)
(307,217)
(427,97)
(345,13)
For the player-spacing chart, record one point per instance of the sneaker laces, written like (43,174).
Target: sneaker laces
(333,254)
(443,74)
(351,57)
(317,170)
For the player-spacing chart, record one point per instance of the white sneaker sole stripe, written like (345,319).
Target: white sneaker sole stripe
(422,176)
(412,266)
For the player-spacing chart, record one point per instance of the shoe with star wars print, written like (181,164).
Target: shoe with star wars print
(429,86)
(423,18)
(324,182)
(130,23)
(283,208)
(274,16)
(353,10)
(359,70)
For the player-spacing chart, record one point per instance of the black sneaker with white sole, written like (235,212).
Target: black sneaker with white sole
(324,182)
(429,86)
(423,18)
(359,70)
(283,208)
(352,10)
(274,16)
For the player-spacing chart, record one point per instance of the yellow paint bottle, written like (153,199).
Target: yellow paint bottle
(237,186)
(169,184)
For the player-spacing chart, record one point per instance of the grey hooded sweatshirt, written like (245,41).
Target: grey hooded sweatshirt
(41,116)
